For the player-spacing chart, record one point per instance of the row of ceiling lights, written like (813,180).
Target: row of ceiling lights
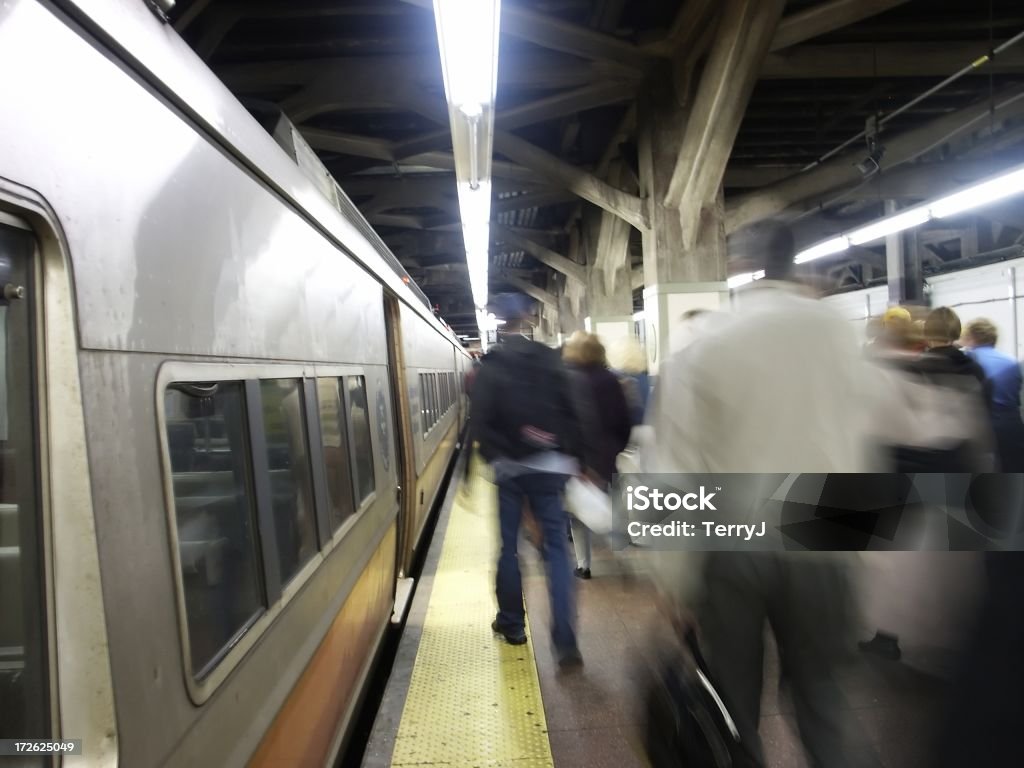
(968,199)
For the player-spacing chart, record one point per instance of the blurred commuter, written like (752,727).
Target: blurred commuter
(776,388)
(605,421)
(527,428)
(628,361)
(931,411)
(1004,376)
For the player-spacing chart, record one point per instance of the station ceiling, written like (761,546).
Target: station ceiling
(361,79)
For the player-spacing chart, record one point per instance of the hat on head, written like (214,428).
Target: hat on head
(512,306)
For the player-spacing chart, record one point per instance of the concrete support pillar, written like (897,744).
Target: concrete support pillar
(609,304)
(675,280)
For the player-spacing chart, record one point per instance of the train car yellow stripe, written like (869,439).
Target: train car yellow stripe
(474,700)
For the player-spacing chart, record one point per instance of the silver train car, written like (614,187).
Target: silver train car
(224,417)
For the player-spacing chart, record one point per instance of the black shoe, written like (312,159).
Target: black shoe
(882,645)
(582,573)
(512,637)
(570,658)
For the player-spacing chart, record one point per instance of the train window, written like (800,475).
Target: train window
(217,541)
(431,407)
(23,686)
(334,439)
(291,488)
(423,402)
(362,447)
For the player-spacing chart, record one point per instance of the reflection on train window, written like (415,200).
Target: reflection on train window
(361,446)
(23,700)
(291,491)
(335,445)
(217,541)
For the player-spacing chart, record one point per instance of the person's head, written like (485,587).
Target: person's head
(981,332)
(625,354)
(513,308)
(941,327)
(584,349)
(767,245)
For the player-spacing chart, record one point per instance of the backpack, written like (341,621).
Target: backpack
(535,413)
(687,724)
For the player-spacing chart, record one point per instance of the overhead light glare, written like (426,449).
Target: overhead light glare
(738,281)
(978,195)
(467,31)
(890,225)
(827,248)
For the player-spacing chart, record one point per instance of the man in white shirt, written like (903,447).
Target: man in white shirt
(776,387)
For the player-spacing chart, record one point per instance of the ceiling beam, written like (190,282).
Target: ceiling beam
(531,290)
(742,39)
(349,144)
(541,70)
(540,252)
(537,199)
(190,14)
(576,180)
(879,60)
(563,36)
(839,171)
(826,17)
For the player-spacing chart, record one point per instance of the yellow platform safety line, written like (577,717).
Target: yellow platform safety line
(474,700)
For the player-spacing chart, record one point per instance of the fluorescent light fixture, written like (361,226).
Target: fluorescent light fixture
(974,196)
(827,248)
(586,324)
(467,32)
(978,195)
(738,281)
(890,225)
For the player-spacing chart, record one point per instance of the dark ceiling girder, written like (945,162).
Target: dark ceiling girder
(576,180)
(826,17)
(909,59)
(840,171)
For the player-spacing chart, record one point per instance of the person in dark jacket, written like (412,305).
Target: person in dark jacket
(606,423)
(528,430)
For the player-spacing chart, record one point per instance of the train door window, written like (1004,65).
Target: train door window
(431,407)
(216,524)
(423,402)
(23,686)
(291,488)
(362,447)
(334,437)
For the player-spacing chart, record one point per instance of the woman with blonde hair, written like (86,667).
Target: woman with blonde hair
(604,418)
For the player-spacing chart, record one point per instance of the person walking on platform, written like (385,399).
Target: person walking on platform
(605,420)
(528,430)
(1004,376)
(775,388)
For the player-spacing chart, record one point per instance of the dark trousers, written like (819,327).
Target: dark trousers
(544,492)
(806,602)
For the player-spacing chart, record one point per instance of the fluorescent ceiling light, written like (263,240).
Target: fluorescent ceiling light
(890,225)
(978,195)
(738,281)
(827,248)
(974,196)
(467,32)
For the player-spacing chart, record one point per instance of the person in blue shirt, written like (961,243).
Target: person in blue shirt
(1004,376)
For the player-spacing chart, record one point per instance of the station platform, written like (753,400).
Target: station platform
(459,695)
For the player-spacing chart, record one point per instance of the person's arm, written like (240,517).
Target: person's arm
(483,412)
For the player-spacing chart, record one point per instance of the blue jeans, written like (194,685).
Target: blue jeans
(544,492)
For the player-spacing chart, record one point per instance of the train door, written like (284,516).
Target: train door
(403,450)
(24,705)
